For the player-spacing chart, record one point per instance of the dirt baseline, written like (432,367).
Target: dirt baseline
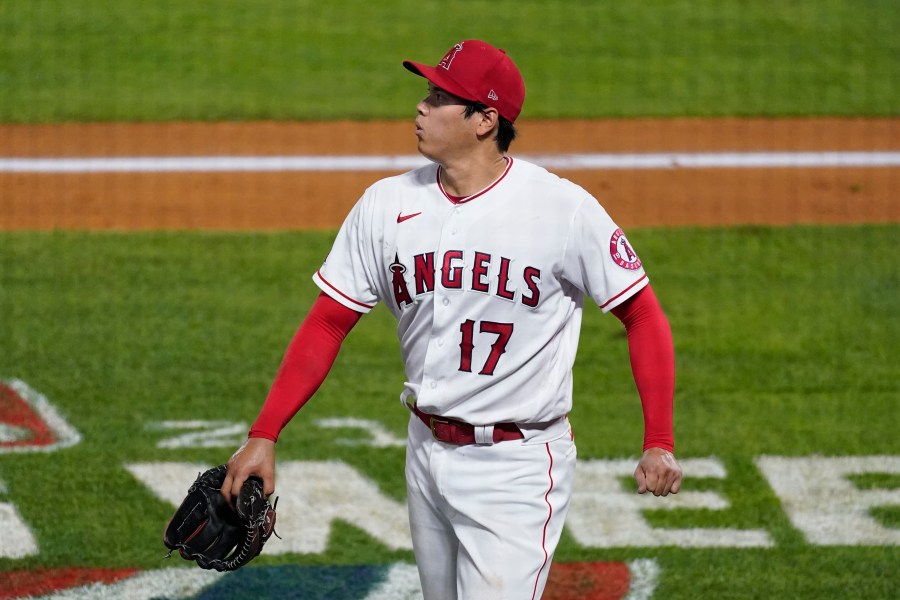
(315,200)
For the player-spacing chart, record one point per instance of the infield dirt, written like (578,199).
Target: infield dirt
(317,200)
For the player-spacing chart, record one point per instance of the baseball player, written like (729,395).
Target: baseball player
(485,260)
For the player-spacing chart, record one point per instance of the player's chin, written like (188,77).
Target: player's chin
(424,151)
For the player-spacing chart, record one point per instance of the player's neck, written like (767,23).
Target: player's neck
(467,177)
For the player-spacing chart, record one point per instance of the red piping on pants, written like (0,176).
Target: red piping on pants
(546,523)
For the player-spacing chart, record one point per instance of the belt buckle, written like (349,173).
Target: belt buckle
(435,421)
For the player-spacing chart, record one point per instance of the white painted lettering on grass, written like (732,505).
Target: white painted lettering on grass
(312,496)
(230,434)
(377,435)
(316,494)
(169,481)
(644,577)
(18,541)
(824,504)
(607,513)
(147,585)
(202,434)
(29,422)
(401,583)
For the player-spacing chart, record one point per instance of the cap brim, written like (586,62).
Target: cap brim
(439,79)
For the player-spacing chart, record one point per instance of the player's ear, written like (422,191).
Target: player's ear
(489,120)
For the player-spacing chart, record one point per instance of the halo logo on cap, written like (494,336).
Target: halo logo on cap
(451,54)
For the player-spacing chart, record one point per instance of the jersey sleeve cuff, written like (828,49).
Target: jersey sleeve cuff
(340,296)
(625,294)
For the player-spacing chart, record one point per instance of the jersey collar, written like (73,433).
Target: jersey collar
(464,199)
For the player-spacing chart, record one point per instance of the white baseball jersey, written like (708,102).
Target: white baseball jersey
(487,290)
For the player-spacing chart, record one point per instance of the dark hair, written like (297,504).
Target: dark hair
(506,131)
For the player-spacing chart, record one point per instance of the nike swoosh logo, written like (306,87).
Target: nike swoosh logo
(401,217)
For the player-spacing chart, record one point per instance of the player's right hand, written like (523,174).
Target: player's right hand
(256,456)
(658,472)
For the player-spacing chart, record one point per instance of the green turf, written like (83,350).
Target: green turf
(785,339)
(115,60)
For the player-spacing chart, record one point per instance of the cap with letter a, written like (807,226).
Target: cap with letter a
(476,71)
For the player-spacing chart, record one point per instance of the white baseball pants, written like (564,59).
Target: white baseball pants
(486,519)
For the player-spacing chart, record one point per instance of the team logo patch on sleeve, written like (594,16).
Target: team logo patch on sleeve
(621,251)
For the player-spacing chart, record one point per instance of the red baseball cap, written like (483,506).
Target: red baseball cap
(475,70)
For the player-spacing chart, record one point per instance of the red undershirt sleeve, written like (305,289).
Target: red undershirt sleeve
(306,362)
(652,364)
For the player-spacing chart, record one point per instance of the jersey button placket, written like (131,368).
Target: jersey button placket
(442,316)
(454,227)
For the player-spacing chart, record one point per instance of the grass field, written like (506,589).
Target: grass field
(784,339)
(108,60)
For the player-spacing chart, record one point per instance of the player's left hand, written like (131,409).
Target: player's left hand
(658,472)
